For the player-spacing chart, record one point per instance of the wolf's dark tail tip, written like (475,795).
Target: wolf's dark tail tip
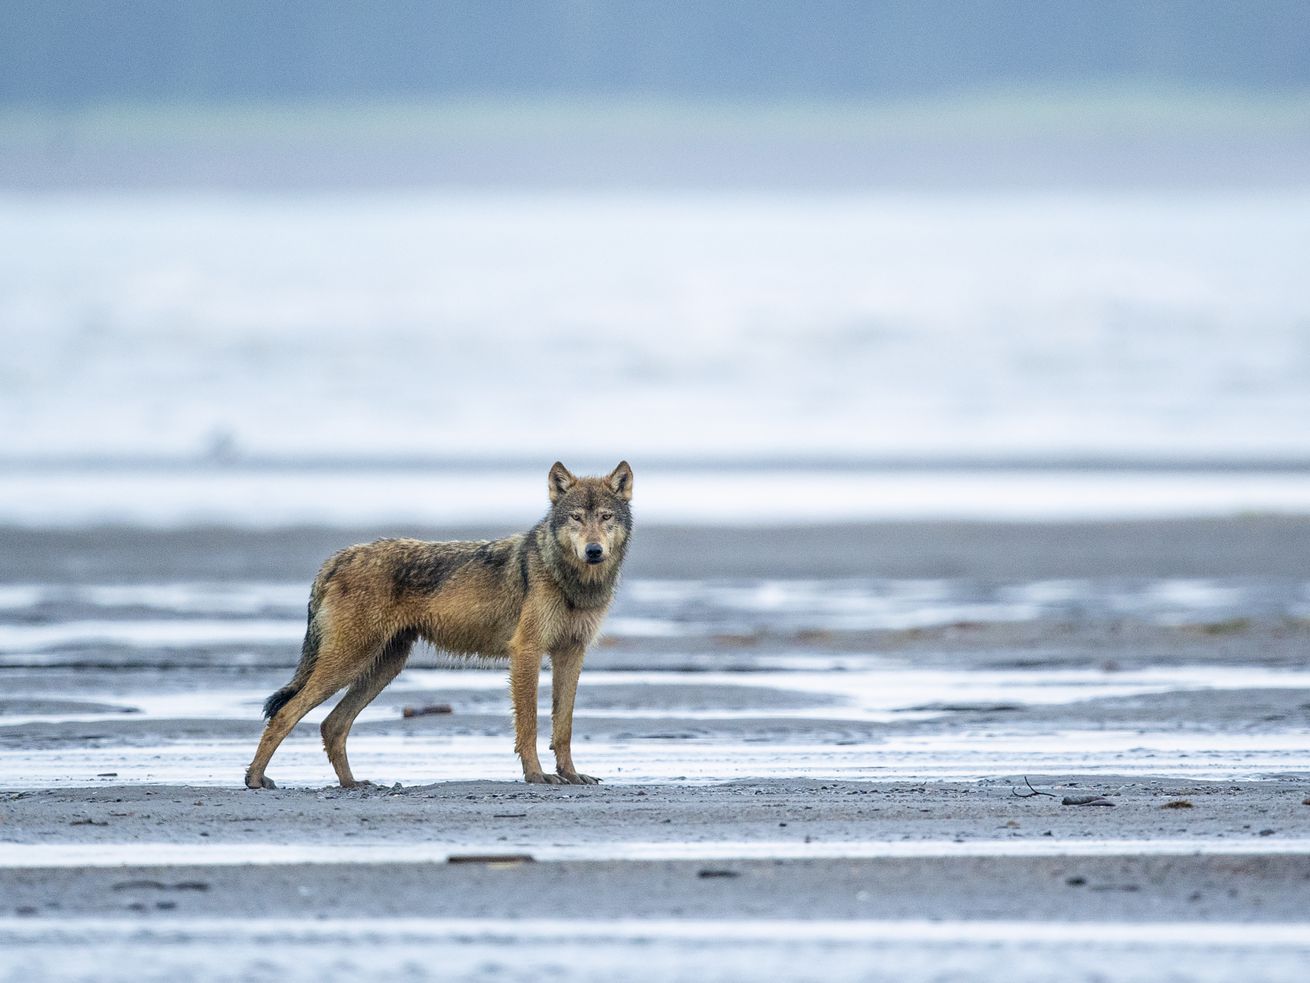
(278,700)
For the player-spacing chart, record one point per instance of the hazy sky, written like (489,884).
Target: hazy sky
(79,52)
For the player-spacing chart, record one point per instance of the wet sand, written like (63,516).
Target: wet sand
(784,794)
(1269,545)
(767,849)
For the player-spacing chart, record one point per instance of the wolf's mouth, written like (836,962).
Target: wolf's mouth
(592,561)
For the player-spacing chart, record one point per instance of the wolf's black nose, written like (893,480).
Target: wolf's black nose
(595,552)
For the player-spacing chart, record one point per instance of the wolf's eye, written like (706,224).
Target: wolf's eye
(606,516)
(576,516)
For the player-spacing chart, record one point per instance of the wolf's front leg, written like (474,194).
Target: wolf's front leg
(524,670)
(565,667)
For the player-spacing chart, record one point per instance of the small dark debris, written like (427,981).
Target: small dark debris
(509,815)
(106,774)
(1227,627)
(714,872)
(1177,804)
(1267,832)
(431,710)
(1075,881)
(967,707)
(88,822)
(150,885)
(490,858)
(1031,793)
(1085,800)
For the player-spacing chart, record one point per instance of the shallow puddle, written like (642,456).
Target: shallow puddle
(891,694)
(41,855)
(606,949)
(39,617)
(416,759)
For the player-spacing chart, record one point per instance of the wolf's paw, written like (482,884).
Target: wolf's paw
(263,782)
(575,778)
(541,778)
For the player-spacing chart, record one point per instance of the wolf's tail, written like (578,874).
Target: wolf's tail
(308,656)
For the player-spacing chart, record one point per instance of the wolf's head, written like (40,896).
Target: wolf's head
(590,518)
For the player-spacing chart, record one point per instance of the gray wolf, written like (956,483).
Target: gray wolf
(543,591)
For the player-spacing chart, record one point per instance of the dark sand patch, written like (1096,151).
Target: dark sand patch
(1277,546)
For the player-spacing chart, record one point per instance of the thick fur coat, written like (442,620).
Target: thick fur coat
(518,598)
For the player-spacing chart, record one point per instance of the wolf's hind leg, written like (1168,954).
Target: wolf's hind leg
(362,692)
(329,675)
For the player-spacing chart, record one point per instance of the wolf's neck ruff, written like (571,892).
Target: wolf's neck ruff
(584,587)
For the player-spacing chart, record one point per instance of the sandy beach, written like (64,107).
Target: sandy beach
(820,746)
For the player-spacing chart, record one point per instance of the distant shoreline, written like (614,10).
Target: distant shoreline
(1036,464)
(379,497)
(275,500)
(1148,138)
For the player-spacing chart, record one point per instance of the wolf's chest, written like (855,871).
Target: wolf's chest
(574,627)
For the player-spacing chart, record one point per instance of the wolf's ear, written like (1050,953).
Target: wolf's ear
(559,481)
(620,480)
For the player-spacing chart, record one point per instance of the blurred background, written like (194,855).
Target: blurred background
(286,263)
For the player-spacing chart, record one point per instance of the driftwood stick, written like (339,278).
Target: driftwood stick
(1031,791)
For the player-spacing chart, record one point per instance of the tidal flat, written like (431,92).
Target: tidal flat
(855,767)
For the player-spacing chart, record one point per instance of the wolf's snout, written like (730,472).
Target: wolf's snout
(595,552)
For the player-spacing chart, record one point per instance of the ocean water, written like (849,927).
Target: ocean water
(722,327)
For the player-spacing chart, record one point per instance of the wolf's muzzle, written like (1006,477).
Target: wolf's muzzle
(595,552)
